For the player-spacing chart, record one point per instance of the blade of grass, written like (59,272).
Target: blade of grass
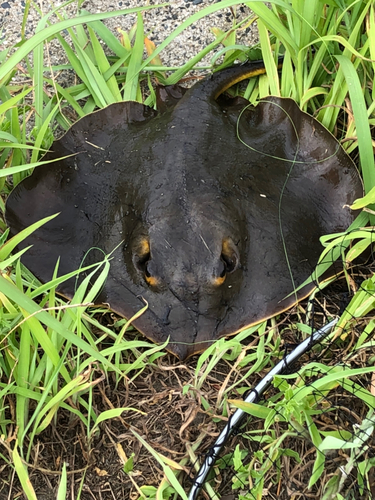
(24,18)
(135,62)
(167,471)
(66,94)
(81,67)
(21,375)
(309,11)
(18,145)
(108,37)
(269,61)
(223,4)
(328,115)
(22,168)
(274,24)
(12,101)
(42,132)
(61,493)
(23,475)
(9,246)
(363,132)
(110,414)
(39,38)
(38,332)
(325,263)
(8,262)
(104,65)
(12,292)
(46,414)
(310,94)
(100,90)
(38,68)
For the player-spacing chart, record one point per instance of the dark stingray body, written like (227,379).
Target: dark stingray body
(213,230)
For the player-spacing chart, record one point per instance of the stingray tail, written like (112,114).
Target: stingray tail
(217,83)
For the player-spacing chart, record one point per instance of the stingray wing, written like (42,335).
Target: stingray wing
(294,183)
(94,192)
(282,186)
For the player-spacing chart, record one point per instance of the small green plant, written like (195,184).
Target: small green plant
(296,405)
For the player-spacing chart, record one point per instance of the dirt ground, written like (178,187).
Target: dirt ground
(176,425)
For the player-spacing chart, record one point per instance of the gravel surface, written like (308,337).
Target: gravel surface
(159,23)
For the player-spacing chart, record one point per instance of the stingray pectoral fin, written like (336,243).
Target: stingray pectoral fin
(168,96)
(294,185)
(100,128)
(277,182)
(159,322)
(82,189)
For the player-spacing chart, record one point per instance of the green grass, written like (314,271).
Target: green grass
(49,356)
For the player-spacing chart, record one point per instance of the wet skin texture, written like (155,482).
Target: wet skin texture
(201,222)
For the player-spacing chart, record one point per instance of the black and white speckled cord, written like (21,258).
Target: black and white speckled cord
(254,395)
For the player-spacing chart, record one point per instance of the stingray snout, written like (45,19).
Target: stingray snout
(193,331)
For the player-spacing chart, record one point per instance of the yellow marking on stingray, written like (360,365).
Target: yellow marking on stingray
(246,74)
(219,280)
(152,280)
(227,247)
(144,246)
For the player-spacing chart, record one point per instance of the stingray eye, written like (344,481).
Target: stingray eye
(147,271)
(149,275)
(221,273)
(229,256)
(229,261)
(142,261)
(142,254)
(222,269)
(228,265)
(150,278)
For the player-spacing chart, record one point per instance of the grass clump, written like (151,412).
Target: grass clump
(55,358)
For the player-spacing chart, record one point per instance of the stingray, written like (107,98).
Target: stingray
(212,208)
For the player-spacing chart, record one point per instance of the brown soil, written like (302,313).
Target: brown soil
(176,424)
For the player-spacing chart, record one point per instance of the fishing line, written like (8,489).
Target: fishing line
(235,420)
